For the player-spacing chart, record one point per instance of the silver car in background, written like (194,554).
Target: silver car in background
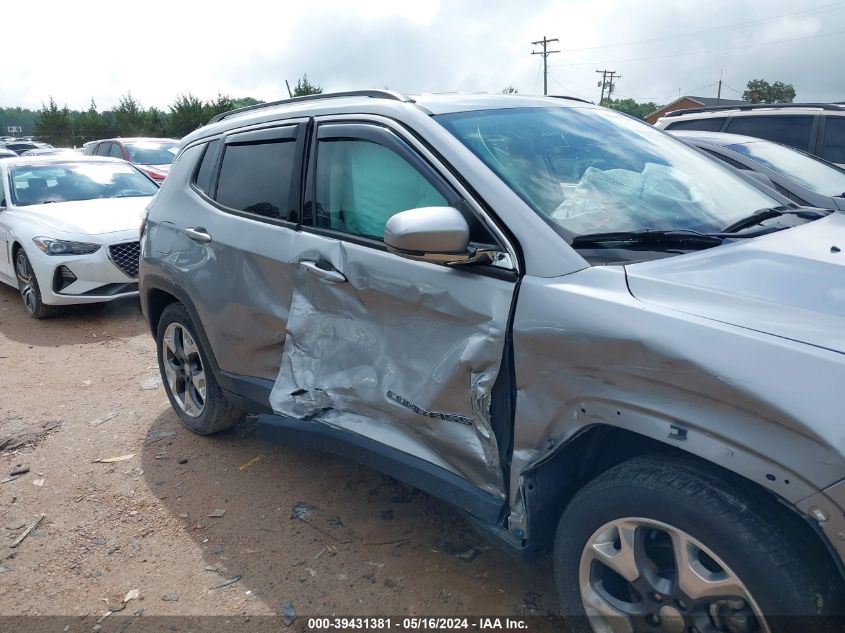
(584,334)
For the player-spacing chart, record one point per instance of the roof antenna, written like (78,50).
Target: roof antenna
(290,94)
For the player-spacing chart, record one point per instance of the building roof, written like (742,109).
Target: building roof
(706,102)
(709,102)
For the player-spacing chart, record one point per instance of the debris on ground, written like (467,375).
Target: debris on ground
(216,513)
(151,383)
(38,482)
(112,460)
(212,567)
(19,470)
(251,462)
(27,531)
(6,567)
(302,511)
(287,612)
(104,419)
(132,594)
(184,460)
(157,436)
(226,582)
(466,553)
(170,597)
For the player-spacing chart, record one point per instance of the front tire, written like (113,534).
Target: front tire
(670,543)
(188,379)
(30,290)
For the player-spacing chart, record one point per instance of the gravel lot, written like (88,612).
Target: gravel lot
(298,527)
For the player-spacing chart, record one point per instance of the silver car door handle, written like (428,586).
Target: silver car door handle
(313,269)
(198,234)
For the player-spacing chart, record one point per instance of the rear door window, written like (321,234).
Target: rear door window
(834,139)
(256,175)
(788,130)
(116,151)
(103,149)
(702,125)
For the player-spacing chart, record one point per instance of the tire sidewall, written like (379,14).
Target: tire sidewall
(202,424)
(39,302)
(773,591)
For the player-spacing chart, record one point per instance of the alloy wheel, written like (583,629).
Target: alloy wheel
(641,575)
(26,283)
(184,370)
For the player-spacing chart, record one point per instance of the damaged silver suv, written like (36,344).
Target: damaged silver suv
(587,336)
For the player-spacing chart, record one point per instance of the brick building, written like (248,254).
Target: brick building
(688,101)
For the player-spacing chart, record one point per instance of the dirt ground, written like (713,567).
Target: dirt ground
(302,532)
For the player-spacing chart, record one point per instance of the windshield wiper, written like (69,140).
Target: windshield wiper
(761,215)
(649,237)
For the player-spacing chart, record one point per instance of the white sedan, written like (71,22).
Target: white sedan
(69,229)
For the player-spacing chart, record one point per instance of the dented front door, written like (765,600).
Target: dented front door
(403,352)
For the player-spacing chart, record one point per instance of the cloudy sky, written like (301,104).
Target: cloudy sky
(78,50)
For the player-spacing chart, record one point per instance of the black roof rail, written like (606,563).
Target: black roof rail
(571,98)
(375,94)
(756,106)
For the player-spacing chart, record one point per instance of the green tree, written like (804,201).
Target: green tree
(510,90)
(304,87)
(761,91)
(129,116)
(244,102)
(155,122)
(186,115)
(636,109)
(222,103)
(54,126)
(91,125)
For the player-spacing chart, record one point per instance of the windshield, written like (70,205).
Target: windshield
(64,182)
(814,174)
(152,152)
(588,170)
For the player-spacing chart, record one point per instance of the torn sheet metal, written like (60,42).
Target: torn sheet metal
(587,352)
(405,352)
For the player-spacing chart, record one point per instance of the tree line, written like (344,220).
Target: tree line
(63,127)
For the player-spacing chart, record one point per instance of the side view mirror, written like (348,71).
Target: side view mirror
(430,234)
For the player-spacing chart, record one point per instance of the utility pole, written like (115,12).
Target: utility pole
(607,77)
(719,91)
(545,53)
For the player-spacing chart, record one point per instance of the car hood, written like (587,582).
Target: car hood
(92,217)
(789,284)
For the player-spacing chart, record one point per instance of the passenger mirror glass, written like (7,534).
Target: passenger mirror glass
(431,234)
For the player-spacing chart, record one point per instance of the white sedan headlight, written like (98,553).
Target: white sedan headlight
(63,247)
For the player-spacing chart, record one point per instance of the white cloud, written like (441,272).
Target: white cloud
(248,48)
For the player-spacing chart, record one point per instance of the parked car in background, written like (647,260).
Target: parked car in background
(583,333)
(152,155)
(7,153)
(69,229)
(19,146)
(817,128)
(801,177)
(49,151)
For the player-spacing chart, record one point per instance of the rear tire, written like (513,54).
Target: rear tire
(660,537)
(187,375)
(30,290)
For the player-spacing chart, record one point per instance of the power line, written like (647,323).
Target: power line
(570,92)
(821,9)
(715,50)
(545,53)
